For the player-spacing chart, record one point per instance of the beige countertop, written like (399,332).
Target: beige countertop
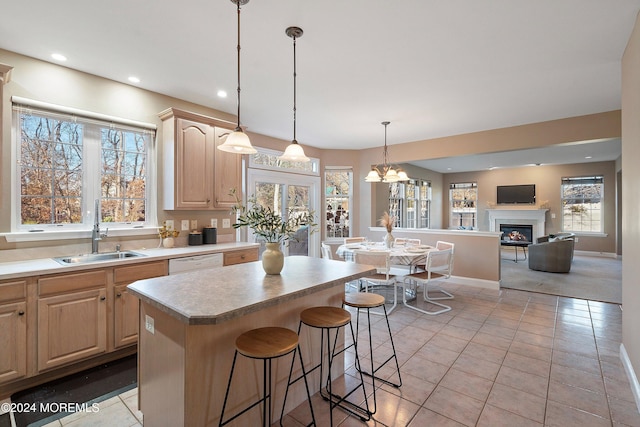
(18,269)
(204,297)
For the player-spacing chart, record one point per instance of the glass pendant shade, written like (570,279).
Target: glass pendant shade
(402,176)
(294,153)
(237,142)
(373,176)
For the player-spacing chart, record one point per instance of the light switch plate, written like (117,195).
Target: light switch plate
(185,225)
(169,224)
(148,324)
(194,224)
(226,223)
(214,222)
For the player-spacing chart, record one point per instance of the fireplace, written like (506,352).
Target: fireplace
(520,232)
(518,216)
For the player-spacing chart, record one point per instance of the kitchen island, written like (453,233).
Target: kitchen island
(189,323)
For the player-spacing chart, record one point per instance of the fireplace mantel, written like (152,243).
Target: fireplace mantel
(535,217)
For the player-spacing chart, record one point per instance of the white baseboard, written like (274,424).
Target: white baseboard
(596,254)
(478,283)
(631,375)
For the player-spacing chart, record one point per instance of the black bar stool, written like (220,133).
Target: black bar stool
(265,344)
(365,300)
(326,319)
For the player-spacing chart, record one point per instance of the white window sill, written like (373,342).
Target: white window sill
(27,236)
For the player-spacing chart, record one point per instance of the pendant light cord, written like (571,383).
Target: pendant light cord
(294,90)
(238,127)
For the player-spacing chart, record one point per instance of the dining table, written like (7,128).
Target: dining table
(399,254)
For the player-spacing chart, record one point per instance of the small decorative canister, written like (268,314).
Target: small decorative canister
(209,235)
(195,238)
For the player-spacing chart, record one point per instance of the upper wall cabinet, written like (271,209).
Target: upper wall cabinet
(196,175)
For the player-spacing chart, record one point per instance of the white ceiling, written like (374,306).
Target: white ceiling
(433,68)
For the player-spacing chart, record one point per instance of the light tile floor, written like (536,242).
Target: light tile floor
(499,358)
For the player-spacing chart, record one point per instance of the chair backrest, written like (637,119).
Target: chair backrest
(348,240)
(439,262)
(400,241)
(380,260)
(440,245)
(414,242)
(326,251)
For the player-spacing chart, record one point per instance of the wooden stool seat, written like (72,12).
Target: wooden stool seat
(266,343)
(325,317)
(363,300)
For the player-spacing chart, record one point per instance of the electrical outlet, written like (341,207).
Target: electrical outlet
(553,216)
(148,324)
(226,223)
(194,224)
(576,239)
(214,222)
(185,225)
(169,224)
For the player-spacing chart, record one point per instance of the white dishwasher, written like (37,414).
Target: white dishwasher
(196,262)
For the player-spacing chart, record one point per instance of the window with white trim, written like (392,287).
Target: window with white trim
(410,203)
(582,204)
(338,184)
(463,207)
(65,162)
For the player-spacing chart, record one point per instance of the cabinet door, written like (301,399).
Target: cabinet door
(13,341)
(194,165)
(71,327)
(125,309)
(228,174)
(126,317)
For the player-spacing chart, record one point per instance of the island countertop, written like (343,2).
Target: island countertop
(213,296)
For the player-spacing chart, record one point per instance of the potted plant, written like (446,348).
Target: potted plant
(167,234)
(270,227)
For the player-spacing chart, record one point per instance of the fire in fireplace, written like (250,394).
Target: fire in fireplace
(521,232)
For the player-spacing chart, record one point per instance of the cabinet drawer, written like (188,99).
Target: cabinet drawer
(13,291)
(72,282)
(132,273)
(238,257)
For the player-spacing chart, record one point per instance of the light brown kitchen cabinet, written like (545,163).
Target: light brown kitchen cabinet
(72,318)
(125,306)
(228,173)
(240,256)
(13,330)
(196,176)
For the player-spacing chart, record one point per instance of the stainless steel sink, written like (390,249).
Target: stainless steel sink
(89,258)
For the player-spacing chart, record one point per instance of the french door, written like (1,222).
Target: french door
(282,191)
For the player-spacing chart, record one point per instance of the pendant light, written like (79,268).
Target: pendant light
(294,152)
(386,172)
(237,141)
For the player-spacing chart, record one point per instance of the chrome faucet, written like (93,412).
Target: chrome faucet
(96,236)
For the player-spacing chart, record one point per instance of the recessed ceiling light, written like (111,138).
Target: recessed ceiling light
(134,79)
(222,93)
(58,57)
(587,157)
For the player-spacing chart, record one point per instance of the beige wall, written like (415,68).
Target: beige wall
(547,180)
(536,135)
(631,198)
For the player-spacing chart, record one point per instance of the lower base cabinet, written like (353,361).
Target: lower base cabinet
(13,340)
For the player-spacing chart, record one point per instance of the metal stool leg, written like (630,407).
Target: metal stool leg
(306,385)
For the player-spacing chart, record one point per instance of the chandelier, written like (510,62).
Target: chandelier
(238,141)
(294,151)
(386,172)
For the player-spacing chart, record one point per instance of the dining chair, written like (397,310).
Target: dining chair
(441,245)
(327,253)
(437,267)
(348,240)
(382,277)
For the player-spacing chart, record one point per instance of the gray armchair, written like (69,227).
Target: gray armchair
(553,257)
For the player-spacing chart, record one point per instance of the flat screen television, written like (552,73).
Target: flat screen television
(516,194)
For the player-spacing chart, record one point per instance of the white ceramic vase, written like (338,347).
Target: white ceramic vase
(168,242)
(388,240)
(272,259)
